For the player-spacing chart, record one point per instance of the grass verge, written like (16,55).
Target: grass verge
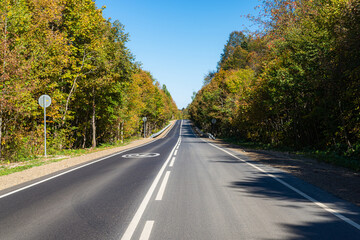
(7,168)
(321,156)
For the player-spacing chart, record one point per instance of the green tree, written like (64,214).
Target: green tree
(303,90)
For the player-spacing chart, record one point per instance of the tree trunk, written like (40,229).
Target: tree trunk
(5,47)
(344,127)
(84,138)
(149,129)
(72,90)
(118,132)
(1,123)
(122,132)
(93,121)
(3,90)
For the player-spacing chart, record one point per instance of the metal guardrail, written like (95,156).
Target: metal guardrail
(211,136)
(199,131)
(202,134)
(158,133)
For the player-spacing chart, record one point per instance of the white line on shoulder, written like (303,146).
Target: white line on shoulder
(322,205)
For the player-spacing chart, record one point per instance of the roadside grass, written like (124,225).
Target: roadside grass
(6,169)
(24,163)
(321,156)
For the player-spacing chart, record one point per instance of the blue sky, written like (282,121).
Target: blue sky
(179,41)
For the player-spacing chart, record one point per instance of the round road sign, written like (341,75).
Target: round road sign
(45,101)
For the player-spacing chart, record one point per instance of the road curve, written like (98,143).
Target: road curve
(179,187)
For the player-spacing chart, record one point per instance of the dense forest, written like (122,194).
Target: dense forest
(293,83)
(66,49)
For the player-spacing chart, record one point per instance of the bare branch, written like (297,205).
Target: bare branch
(73,89)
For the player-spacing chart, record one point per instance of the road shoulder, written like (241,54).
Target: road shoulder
(336,180)
(27,175)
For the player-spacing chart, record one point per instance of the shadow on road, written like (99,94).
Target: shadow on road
(330,227)
(335,229)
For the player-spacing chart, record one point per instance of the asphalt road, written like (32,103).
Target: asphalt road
(179,187)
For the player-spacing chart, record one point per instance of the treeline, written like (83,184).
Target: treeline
(296,83)
(66,49)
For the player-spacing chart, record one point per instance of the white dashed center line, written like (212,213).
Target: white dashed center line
(145,234)
(136,219)
(147,230)
(162,187)
(172,162)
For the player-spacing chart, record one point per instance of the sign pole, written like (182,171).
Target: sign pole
(144,119)
(213,121)
(44,101)
(44,125)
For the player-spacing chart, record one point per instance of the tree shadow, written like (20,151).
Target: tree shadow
(344,183)
(188,135)
(323,225)
(335,229)
(261,185)
(225,159)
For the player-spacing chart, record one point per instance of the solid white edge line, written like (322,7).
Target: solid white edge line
(145,235)
(321,205)
(160,194)
(136,219)
(73,169)
(172,162)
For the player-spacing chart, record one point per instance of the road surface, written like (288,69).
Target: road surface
(178,187)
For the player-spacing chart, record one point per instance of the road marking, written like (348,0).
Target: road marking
(175,152)
(322,205)
(136,219)
(74,169)
(160,194)
(147,230)
(141,155)
(172,162)
(181,123)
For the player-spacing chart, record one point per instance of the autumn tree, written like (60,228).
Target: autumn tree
(303,92)
(66,49)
